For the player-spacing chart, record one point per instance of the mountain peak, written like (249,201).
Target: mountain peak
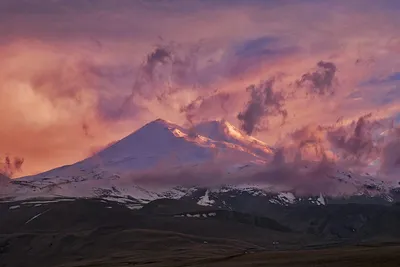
(161,122)
(163,144)
(158,125)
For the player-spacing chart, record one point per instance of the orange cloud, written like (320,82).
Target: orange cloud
(69,79)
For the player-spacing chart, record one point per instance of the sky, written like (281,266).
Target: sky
(77,75)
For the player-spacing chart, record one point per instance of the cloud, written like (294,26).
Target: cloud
(203,107)
(54,103)
(256,47)
(321,81)
(159,56)
(356,142)
(304,178)
(264,102)
(167,70)
(67,64)
(308,141)
(11,165)
(390,156)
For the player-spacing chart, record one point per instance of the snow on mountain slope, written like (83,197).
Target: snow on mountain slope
(158,146)
(168,149)
(223,131)
(161,144)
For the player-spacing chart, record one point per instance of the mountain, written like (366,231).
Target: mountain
(159,147)
(164,145)
(223,131)
(201,165)
(143,201)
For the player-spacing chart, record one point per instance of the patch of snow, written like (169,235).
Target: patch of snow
(274,201)
(197,215)
(224,190)
(134,207)
(48,201)
(287,198)
(389,198)
(14,207)
(36,216)
(321,200)
(205,200)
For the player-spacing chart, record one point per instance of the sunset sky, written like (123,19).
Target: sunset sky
(76,75)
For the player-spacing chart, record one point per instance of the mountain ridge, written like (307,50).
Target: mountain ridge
(159,143)
(165,160)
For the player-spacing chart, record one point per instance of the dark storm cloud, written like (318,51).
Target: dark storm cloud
(322,80)
(264,102)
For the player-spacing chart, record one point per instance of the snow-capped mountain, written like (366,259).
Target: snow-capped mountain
(164,145)
(210,150)
(158,146)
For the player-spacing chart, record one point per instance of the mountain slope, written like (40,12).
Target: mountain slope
(164,160)
(164,145)
(158,147)
(223,131)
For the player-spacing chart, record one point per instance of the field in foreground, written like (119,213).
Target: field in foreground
(169,233)
(168,249)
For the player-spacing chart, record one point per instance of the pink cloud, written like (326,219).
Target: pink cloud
(64,83)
